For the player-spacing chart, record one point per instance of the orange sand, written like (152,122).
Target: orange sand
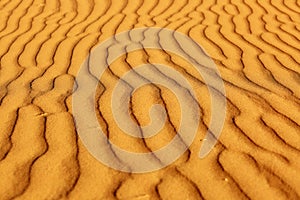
(255,45)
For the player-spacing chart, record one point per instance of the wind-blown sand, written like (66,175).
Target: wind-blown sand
(255,45)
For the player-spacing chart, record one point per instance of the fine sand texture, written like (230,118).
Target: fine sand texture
(255,44)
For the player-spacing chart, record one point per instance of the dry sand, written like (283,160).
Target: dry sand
(255,45)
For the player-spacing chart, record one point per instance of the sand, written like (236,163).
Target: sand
(255,46)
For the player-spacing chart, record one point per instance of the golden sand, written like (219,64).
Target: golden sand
(255,46)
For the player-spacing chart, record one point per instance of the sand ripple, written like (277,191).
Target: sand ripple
(255,45)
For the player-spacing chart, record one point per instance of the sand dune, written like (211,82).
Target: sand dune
(255,46)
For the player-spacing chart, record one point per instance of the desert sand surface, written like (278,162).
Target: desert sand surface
(255,45)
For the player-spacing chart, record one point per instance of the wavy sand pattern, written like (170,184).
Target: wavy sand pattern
(255,45)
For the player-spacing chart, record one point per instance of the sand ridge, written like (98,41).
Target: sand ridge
(255,45)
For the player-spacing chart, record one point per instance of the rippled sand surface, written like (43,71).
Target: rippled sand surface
(255,46)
